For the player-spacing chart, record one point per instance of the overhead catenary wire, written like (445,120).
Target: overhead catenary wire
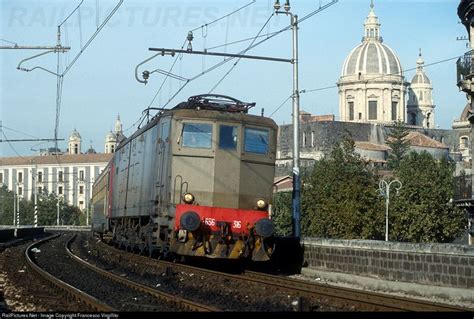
(304,91)
(225,16)
(16,131)
(321,8)
(10,144)
(242,40)
(239,59)
(180,55)
(384,75)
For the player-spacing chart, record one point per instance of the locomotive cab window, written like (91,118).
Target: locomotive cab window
(228,137)
(197,135)
(256,141)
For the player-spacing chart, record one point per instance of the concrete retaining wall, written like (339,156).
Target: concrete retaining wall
(432,264)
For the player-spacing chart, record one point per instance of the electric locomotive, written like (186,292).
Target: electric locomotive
(195,181)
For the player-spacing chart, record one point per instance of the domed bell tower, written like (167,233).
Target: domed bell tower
(74,145)
(421,109)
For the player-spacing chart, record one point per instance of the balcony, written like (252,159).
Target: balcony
(465,72)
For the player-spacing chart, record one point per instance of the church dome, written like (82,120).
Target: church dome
(420,79)
(420,76)
(372,56)
(110,137)
(75,136)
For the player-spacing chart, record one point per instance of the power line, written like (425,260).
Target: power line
(239,59)
(321,8)
(13,130)
(284,102)
(182,47)
(384,75)
(223,17)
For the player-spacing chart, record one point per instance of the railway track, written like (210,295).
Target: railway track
(367,301)
(309,294)
(99,289)
(22,289)
(69,290)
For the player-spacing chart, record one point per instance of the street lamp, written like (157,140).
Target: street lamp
(296,115)
(384,189)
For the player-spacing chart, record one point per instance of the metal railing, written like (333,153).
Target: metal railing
(464,66)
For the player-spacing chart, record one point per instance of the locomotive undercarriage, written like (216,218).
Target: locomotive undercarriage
(205,243)
(142,235)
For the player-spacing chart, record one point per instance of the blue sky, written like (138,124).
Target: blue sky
(101,84)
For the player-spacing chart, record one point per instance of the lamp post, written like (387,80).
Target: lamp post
(296,114)
(384,188)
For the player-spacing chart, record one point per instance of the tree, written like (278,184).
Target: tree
(282,213)
(6,206)
(340,199)
(423,212)
(397,142)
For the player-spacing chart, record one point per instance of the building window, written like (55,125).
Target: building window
(81,190)
(360,116)
(112,149)
(20,177)
(1,178)
(60,177)
(81,176)
(372,110)
(412,119)
(305,140)
(76,149)
(351,111)
(394,111)
(40,177)
(60,190)
(20,190)
(40,190)
(464,143)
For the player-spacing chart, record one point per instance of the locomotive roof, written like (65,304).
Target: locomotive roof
(215,102)
(199,107)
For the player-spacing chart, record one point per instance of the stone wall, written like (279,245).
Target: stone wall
(431,264)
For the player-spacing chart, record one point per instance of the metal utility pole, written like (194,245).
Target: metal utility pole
(57,214)
(14,205)
(296,216)
(18,211)
(35,193)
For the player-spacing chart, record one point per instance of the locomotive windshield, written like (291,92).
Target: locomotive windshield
(256,141)
(228,137)
(198,135)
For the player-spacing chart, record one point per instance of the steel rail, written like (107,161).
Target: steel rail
(184,303)
(369,301)
(382,302)
(61,285)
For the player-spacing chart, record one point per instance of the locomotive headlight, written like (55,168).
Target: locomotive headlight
(261,204)
(188,198)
